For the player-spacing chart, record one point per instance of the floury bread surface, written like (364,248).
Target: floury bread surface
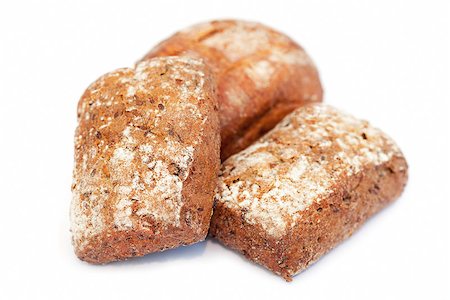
(262,75)
(146,160)
(304,187)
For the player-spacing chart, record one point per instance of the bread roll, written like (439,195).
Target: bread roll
(261,74)
(304,187)
(146,160)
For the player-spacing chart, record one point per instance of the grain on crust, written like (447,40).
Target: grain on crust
(304,187)
(262,75)
(146,155)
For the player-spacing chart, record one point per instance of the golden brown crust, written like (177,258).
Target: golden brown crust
(261,74)
(304,187)
(146,155)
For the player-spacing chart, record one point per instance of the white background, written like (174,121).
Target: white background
(385,61)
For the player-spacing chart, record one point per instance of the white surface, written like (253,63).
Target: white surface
(386,61)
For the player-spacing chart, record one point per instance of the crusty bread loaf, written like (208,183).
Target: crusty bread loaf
(261,74)
(146,160)
(304,187)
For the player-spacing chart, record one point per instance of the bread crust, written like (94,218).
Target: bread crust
(146,158)
(304,187)
(262,75)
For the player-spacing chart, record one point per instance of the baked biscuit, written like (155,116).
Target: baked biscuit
(146,160)
(262,75)
(304,187)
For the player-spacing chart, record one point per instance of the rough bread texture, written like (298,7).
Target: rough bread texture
(146,160)
(262,75)
(304,187)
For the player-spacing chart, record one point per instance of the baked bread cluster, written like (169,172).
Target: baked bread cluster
(297,177)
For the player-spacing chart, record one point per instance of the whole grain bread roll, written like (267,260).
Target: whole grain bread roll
(146,160)
(304,187)
(262,75)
